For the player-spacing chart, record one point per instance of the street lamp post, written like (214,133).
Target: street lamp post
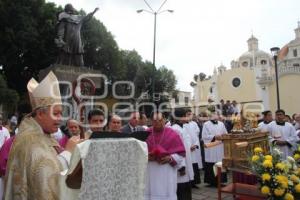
(275,51)
(155,13)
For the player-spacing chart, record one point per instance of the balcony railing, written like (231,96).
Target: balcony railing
(288,70)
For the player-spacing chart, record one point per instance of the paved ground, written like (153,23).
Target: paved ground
(208,193)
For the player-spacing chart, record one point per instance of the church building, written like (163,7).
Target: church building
(251,78)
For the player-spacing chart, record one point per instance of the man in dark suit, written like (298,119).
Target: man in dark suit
(132,125)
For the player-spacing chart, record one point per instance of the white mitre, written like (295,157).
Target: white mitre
(45,93)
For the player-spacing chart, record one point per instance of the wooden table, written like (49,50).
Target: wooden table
(239,190)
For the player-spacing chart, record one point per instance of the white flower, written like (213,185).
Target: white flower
(291,159)
(276,151)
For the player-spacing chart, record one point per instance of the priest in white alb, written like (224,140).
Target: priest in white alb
(267,119)
(194,131)
(282,134)
(214,148)
(185,173)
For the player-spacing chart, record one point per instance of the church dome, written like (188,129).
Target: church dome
(251,54)
(291,49)
(254,56)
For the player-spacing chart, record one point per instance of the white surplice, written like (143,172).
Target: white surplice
(187,162)
(263,127)
(286,132)
(216,153)
(194,131)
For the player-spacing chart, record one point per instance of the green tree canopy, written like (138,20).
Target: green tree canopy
(27,32)
(8,98)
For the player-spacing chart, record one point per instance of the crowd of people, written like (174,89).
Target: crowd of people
(180,146)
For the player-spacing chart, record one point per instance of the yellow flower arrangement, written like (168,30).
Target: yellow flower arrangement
(288,196)
(265,190)
(297,188)
(255,158)
(266,177)
(294,178)
(267,164)
(258,150)
(297,156)
(279,192)
(279,178)
(284,184)
(297,171)
(268,157)
(280,166)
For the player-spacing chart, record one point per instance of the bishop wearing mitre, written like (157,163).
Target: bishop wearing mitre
(36,159)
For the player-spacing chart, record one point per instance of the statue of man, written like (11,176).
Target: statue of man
(68,36)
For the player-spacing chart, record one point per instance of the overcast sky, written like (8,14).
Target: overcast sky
(200,34)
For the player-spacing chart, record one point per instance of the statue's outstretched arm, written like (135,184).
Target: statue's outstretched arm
(90,15)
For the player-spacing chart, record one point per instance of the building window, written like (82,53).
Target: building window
(263,62)
(296,65)
(295,52)
(176,99)
(211,90)
(186,100)
(245,64)
(236,82)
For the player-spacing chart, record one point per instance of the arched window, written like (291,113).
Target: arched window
(295,53)
(245,64)
(263,62)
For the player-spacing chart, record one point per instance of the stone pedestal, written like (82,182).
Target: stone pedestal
(70,73)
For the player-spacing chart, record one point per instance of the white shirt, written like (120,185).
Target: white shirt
(4,135)
(187,162)
(213,154)
(283,133)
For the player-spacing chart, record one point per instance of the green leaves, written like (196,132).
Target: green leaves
(9,98)
(27,32)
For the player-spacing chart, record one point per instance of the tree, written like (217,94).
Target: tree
(26,39)
(165,80)
(132,62)
(102,51)
(8,98)
(28,29)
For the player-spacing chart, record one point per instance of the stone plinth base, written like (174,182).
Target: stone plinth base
(71,73)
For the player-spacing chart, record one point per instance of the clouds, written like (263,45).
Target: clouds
(199,34)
